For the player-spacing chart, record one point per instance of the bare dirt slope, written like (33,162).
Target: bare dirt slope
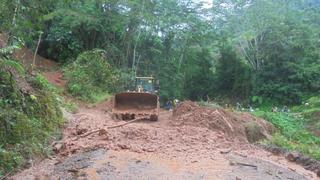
(26,56)
(174,147)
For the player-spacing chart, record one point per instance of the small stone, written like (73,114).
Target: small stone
(225,151)
(102,132)
(81,131)
(292,156)
(232,163)
(41,177)
(58,146)
(123,146)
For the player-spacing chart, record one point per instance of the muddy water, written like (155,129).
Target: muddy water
(102,164)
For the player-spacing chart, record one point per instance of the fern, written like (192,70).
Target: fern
(6,64)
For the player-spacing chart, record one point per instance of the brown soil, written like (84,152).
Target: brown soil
(174,147)
(231,124)
(56,78)
(26,57)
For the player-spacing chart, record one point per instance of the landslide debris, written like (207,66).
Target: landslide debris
(234,125)
(191,128)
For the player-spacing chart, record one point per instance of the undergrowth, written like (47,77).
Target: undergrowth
(310,111)
(90,76)
(292,134)
(30,117)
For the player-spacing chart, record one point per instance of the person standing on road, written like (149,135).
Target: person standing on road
(175,102)
(169,105)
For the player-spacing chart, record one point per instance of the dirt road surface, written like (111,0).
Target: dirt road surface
(155,150)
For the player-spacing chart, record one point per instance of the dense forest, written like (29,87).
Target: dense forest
(261,53)
(268,50)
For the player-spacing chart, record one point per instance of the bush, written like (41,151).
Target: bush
(292,135)
(89,75)
(30,117)
(9,160)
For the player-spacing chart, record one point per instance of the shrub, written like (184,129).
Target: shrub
(292,134)
(89,75)
(29,119)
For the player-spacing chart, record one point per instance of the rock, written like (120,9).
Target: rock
(232,163)
(81,131)
(225,151)
(58,146)
(318,173)
(41,177)
(254,132)
(102,132)
(293,156)
(123,146)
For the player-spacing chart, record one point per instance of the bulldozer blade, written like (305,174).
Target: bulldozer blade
(131,105)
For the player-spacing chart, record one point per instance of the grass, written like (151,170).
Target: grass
(100,97)
(70,106)
(310,111)
(292,134)
(29,122)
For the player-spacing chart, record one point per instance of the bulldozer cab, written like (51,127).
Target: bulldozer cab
(146,84)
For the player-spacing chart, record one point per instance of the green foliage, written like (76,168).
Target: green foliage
(90,76)
(9,160)
(28,119)
(194,51)
(40,82)
(310,110)
(292,134)
(232,76)
(281,48)
(70,106)
(257,100)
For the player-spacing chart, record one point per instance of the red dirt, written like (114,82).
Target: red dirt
(56,78)
(26,57)
(192,143)
(160,136)
(231,124)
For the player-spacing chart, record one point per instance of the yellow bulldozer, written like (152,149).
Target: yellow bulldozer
(142,102)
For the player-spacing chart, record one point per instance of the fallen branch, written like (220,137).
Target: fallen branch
(245,164)
(103,130)
(242,164)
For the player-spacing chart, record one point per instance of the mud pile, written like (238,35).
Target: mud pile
(242,126)
(191,128)
(141,137)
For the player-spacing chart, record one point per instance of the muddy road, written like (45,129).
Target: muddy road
(157,150)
